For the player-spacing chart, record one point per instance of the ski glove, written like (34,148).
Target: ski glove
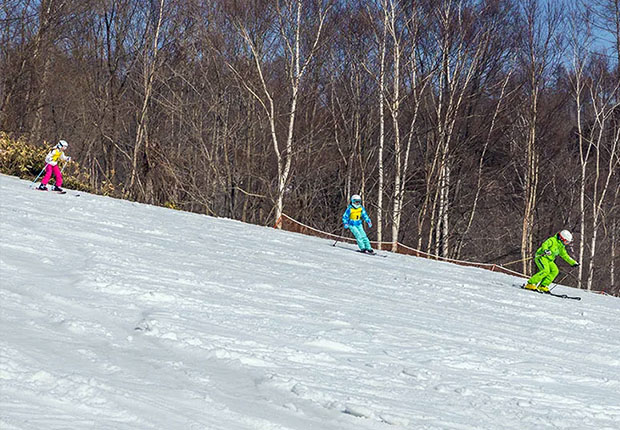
(576,264)
(346,226)
(547,252)
(369,225)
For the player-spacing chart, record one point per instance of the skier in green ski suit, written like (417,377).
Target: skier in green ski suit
(545,257)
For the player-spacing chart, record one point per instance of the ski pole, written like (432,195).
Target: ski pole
(35,179)
(520,261)
(338,238)
(558,282)
(573,276)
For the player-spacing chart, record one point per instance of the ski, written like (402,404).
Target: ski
(563,296)
(50,191)
(371,253)
(550,293)
(359,251)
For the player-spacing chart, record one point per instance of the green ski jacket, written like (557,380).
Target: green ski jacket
(556,247)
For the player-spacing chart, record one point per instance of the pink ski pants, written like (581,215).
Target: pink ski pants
(49,169)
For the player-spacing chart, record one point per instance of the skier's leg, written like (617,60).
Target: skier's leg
(359,234)
(551,275)
(543,271)
(365,240)
(58,176)
(48,174)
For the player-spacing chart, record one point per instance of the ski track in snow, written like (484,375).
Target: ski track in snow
(117,315)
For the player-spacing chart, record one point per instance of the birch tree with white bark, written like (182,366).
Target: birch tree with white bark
(603,152)
(596,96)
(404,26)
(150,63)
(378,15)
(294,20)
(461,46)
(540,52)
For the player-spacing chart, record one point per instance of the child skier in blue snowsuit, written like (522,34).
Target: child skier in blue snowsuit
(352,220)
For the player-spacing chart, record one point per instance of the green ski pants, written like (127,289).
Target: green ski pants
(547,271)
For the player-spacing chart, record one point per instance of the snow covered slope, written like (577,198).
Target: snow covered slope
(117,315)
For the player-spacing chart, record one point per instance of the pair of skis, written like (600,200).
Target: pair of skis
(51,191)
(551,293)
(359,251)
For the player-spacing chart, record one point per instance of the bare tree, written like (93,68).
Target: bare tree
(501,99)
(381,95)
(154,20)
(461,46)
(294,19)
(615,225)
(580,40)
(540,51)
(595,94)
(47,33)
(604,15)
(605,140)
(14,61)
(378,14)
(404,25)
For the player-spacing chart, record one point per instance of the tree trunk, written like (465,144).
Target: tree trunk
(41,52)
(381,125)
(150,66)
(531,187)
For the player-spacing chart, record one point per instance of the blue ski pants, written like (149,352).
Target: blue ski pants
(360,236)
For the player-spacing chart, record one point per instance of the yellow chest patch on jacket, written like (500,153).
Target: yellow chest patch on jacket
(356,214)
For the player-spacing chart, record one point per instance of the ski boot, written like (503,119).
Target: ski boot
(42,187)
(543,289)
(57,189)
(532,287)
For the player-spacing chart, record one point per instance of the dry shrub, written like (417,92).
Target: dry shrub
(25,160)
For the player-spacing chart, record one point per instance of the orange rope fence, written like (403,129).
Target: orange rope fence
(289,224)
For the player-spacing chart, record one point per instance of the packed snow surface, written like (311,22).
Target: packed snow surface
(118,315)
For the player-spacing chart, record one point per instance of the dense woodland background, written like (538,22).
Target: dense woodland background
(473,129)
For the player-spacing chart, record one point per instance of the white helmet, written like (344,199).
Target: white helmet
(565,236)
(62,144)
(356,200)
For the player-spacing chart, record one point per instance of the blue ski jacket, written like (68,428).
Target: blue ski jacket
(354,216)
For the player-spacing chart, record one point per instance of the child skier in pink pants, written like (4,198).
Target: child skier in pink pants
(52,158)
